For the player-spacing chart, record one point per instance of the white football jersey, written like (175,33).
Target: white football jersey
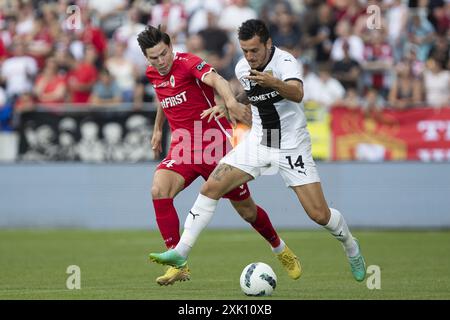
(277,122)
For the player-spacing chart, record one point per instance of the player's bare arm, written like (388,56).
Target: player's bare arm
(243,98)
(237,111)
(291,89)
(157,130)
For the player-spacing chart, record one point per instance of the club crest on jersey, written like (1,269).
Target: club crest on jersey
(247,84)
(172,81)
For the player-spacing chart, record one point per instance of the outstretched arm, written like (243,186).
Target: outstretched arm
(236,110)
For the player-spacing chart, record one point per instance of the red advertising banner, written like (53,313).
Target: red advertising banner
(416,134)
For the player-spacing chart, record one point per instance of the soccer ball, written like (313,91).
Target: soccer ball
(258,279)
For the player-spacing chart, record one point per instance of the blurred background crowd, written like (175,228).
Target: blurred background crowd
(84,53)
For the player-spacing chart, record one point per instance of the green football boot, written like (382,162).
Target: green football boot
(358,265)
(170,258)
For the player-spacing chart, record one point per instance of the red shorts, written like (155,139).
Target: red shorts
(190,172)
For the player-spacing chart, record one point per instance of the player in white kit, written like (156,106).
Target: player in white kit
(277,142)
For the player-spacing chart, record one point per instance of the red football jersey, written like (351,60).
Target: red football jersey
(184,96)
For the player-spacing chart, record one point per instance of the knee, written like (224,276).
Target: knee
(210,190)
(320,215)
(159,193)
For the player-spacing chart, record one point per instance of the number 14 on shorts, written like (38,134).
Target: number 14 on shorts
(298,163)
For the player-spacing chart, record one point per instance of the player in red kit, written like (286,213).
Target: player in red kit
(185,85)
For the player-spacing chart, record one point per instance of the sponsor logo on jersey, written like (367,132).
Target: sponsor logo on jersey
(174,100)
(172,81)
(264,96)
(242,193)
(161,85)
(201,65)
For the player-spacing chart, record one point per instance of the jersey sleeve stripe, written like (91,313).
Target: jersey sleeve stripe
(296,79)
(210,70)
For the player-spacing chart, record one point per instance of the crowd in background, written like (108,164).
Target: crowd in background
(84,53)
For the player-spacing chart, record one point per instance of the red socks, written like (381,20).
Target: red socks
(264,226)
(168,222)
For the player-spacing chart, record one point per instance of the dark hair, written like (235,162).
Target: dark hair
(251,28)
(150,37)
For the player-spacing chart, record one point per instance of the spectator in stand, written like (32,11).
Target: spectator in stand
(349,10)
(320,34)
(345,35)
(215,39)
(233,15)
(437,84)
(25,21)
(351,99)
(347,71)
(25,102)
(198,11)
(406,91)
(67,50)
(373,103)
(83,76)
(109,13)
(421,33)
(106,92)
(417,66)
(196,45)
(50,87)
(3,51)
(440,18)
(220,51)
(323,89)
(8,32)
(91,35)
(172,18)
(18,71)
(123,71)
(377,64)
(40,41)
(285,31)
(441,50)
(397,21)
(127,34)
(51,19)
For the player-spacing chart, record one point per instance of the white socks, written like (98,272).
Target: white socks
(280,247)
(198,218)
(339,229)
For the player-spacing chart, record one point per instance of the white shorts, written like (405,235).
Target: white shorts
(296,166)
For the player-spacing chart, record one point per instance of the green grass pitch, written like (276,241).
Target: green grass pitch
(414,265)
